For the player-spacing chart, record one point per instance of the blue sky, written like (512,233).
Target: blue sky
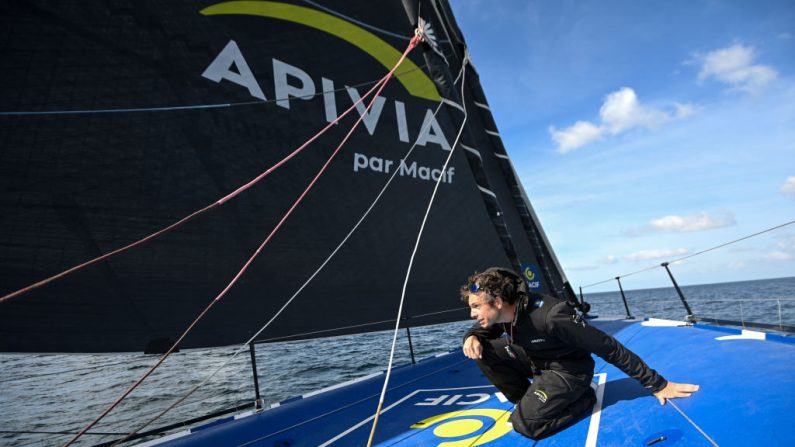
(644,132)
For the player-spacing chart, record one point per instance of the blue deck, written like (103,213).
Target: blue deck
(746,398)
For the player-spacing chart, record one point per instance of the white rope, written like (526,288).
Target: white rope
(244,346)
(414,253)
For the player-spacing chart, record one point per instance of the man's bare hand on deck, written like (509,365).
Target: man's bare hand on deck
(674,389)
(472,348)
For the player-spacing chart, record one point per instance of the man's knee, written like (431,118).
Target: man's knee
(526,422)
(534,429)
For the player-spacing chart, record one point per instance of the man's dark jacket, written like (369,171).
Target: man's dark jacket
(555,337)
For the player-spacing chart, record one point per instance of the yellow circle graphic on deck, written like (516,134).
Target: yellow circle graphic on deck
(468,424)
(528,273)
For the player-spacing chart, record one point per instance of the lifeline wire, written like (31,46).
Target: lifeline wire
(297,292)
(190,217)
(693,423)
(413,254)
(696,253)
(411,46)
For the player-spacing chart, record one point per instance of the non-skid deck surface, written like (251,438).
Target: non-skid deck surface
(746,398)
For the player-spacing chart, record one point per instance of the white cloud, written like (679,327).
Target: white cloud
(582,268)
(788,187)
(779,256)
(684,110)
(694,222)
(737,265)
(576,136)
(735,66)
(621,111)
(685,224)
(786,243)
(644,255)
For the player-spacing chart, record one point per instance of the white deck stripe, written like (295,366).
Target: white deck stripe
(745,335)
(491,132)
(486,191)
(658,322)
(482,106)
(596,415)
(503,156)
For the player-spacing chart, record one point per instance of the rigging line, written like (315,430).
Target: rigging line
(188,107)
(358,22)
(244,346)
(670,401)
(195,214)
(699,252)
(65,371)
(372,323)
(410,47)
(411,260)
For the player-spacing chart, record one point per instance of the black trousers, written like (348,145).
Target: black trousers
(554,400)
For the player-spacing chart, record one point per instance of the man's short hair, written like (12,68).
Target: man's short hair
(496,283)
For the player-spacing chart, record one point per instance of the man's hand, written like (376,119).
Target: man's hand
(672,390)
(472,348)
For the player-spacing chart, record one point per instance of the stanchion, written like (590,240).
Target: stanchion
(624,298)
(678,291)
(258,398)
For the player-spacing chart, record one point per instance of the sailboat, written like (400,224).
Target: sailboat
(127,117)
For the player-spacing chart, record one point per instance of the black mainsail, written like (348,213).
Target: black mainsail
(119,119)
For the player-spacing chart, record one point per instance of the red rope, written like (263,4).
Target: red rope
(412,44)
(184,220)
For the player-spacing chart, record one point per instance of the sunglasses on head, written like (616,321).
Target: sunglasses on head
(475,288)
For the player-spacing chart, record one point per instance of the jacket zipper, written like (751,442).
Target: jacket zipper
(568,385)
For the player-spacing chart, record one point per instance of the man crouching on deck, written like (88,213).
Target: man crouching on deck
(549,342)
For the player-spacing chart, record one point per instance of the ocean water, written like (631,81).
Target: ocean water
(43,396)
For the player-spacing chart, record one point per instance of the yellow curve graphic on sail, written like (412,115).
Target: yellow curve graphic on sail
(416,82)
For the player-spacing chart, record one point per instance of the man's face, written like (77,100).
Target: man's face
(481,310)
